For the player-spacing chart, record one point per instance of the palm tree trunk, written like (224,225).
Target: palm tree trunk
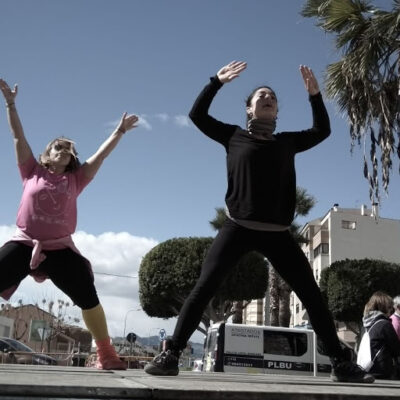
(274,297)
(279,300)
(284,304)
(237,317)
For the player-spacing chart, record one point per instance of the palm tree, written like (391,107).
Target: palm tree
(279,290)
(365,82)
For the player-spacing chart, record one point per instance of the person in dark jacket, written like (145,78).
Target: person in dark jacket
(260,200)
(384,343)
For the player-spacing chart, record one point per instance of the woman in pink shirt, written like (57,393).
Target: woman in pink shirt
(46,219)
(395,317)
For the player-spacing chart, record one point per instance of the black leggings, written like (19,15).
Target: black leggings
(67,270)
(231,243)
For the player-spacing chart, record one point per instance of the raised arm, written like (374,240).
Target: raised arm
(93,163)
(321,125)
(213,128)
(22,149)
(310,81)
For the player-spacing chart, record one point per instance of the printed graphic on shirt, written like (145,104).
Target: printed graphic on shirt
(50,203)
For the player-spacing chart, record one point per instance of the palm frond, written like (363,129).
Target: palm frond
(365,83)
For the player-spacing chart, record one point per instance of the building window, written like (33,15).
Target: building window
(297,308)
(322,248)
(285,343)
(348,224)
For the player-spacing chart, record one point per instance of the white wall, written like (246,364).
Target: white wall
(372,238)
(6,326)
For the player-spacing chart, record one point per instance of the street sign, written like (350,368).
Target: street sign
(131,337)
(163,334)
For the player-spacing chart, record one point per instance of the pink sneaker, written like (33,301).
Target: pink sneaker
(107,357)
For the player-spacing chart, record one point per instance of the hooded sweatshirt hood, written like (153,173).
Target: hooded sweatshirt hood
(371,317)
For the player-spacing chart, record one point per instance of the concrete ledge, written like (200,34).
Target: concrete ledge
(20,382)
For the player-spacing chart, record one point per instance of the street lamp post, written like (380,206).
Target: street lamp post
(126,316)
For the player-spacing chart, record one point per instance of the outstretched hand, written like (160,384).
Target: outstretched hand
(231,71)
(310,82)
(127,122)
(8,94)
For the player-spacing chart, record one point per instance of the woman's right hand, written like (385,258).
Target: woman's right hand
(8,94)
(231,71)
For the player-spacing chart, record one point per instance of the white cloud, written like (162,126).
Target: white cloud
(143,122)
(115,254)
(181,120)
(163,117)
(112,124)
(6,232)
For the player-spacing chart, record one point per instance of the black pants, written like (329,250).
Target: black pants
(231,243)
(67,270)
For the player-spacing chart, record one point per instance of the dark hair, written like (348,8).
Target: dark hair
(249,98)
(74,164)
(379,301)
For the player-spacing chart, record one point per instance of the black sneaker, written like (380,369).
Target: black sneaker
(166,363)
(347,371)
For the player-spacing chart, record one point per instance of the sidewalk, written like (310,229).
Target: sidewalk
(43,382)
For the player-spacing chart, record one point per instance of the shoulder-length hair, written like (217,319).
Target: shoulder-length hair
(69,145)
(379,301)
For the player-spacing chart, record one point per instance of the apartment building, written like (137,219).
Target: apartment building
(346,233)
(341,233)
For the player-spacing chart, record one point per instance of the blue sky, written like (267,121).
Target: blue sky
(80,64)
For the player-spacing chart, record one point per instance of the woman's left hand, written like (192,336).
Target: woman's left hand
(310,82)
(127,122)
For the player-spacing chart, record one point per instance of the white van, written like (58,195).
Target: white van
(265,349)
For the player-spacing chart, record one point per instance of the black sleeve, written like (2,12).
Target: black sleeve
(211,127)
(320,130)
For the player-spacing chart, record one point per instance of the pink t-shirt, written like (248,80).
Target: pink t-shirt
(48,204)
(396,323)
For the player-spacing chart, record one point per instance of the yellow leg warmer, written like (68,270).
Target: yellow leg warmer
(95,321)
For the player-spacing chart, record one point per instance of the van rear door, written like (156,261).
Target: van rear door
(243,349)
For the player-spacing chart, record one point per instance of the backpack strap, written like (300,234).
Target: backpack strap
(379,320)
(380,350)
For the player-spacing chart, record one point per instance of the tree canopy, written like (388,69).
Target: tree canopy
(347,286)
(365,81)
(169,271)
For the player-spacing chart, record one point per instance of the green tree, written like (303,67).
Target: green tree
(279,290)
(169,271)
(60,321)
(347,285)
(365,82)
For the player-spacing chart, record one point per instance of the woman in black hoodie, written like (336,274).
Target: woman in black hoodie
(384,343)
(260,200)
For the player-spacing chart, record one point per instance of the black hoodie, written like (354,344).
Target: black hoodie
(382,336)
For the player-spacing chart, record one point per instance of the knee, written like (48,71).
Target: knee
(86,302)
